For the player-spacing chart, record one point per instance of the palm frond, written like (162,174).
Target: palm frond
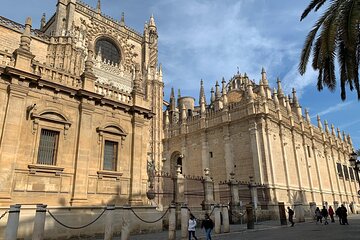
(314,4)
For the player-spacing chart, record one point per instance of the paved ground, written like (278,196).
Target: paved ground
(272,230)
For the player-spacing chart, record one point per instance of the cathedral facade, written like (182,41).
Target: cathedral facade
(250,133)
(79,105)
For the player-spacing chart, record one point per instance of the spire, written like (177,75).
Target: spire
(122,20)
(224,94)
(276,100)
(295,100)
(152,24)
(172,100)
(98,55)
(250,92)
(263,77)
(261,90)
(307,116)
(319,123)
(280,91)
(349,139)
(202,107)
(43,21)
(202,92)
(167,120)
(160,73)
(344,137)
(326,126)
(288,107)
(26,36)
(333,130)
(217,91)
(98,6)
(183,113)
(89,61)
(179,93)
(338,133)
(212,98)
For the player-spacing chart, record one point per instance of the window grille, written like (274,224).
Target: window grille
(351,173)
(110,155)
(339,169)
(346,173)
(48,147)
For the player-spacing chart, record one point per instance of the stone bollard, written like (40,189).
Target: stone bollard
(172,222)
(13,222)
(39,222)
(299,212)
(312,209)
(184,221)
(109,222)
(125,228)
(250,216)
(217,214)
(225,217)
(282,213)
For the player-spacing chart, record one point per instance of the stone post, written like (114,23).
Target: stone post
(39,222)
(253,191)
(235,200)
(225,218)
(172,222)
(250,216)
(336,205)
(13,222)
(282,213)
(299,212)
(217,214)
(125,228)
(184,221)
(312,209)
(109,222)
(208,190)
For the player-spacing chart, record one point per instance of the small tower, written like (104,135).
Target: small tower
(43,21)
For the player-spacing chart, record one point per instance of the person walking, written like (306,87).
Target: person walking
(339,214)
(291,216)
(344,214)
(331,214)
(325,214)
(318,215)
(191,226)
(208,224)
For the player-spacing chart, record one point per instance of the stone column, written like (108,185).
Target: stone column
(11,135)
(253,191)
(312,209)
(250,216)
(204,151)
(256,154)
(217,215)
(184,221)
(235,200)
(39,222)
(225,218)
(13,222)
(109,222)
(299,212)
(172,222)
(283,143)
(208,190)
(126,227)
(229,161)
(84,152)
(138,158)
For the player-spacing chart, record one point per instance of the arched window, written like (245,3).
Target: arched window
(108,50)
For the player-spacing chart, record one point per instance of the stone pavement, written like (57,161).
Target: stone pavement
(273,230)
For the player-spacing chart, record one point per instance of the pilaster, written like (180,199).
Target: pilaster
(229,160)
(256,151)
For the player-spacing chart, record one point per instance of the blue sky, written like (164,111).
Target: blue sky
(209,39)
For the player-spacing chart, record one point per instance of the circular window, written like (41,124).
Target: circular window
(108,50)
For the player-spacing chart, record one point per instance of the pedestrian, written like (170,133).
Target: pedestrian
(344,214)
(208,224)
(318,215)
(338,213)
(291,215)
(331,214)
(325,214)
(191,226)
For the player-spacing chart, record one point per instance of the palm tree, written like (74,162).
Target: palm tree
(336,34)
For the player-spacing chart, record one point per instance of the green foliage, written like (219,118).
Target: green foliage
(335,35)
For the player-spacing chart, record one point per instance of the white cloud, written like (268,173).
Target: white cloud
(336,108)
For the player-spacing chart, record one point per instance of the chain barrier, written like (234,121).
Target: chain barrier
(67,226)
(3,215)
(145,221)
